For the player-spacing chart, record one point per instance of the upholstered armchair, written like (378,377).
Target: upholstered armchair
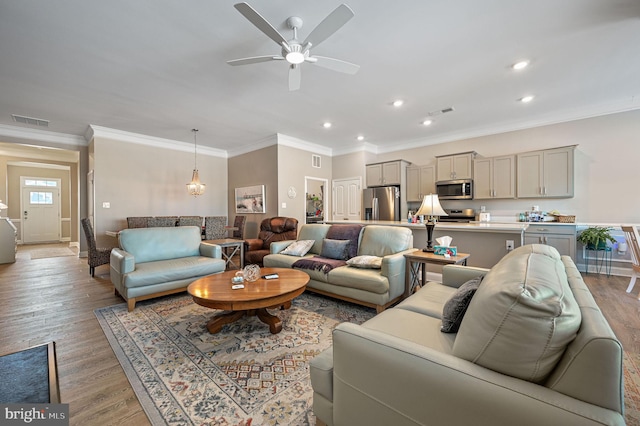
(271,229)
(97,256)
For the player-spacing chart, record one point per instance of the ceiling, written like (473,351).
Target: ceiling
(158,68)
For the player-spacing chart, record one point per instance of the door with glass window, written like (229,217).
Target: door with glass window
(40,213)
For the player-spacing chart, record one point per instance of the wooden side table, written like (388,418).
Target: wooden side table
(417,261)
(236,245)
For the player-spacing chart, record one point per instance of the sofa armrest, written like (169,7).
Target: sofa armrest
(121,261)
(278,246)
(456,275)
(253,244)
(211,250)
(382,379)
(393,267)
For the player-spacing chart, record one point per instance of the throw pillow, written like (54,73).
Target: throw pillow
(455,308)
(365,261)
(335,249)
(298,248)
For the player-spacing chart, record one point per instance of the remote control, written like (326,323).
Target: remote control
(237,286)
(270,276)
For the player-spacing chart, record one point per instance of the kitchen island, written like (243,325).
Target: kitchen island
(486,242)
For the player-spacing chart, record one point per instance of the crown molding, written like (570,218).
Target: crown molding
(137,138)
(292,142)
(363,147)
(23,134)
(262,143)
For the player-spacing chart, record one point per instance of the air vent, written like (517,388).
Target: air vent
(315,161)
(440,111)
(30,120)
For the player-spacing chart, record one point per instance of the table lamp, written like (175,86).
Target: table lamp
(431,209)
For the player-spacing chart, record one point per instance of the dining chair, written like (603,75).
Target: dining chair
(633,242)
(163,221)
(214,227)
(190,221)
(97,256)
(239,222)
(138,221)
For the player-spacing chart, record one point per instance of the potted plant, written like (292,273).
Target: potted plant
(596,237)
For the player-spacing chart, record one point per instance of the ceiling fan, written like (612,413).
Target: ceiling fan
(294,51)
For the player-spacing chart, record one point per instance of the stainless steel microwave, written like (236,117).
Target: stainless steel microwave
(461,189)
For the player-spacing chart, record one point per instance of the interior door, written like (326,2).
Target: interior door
(40,214)
(347,199)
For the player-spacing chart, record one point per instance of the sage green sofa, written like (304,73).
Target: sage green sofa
(152,262)
(532,349)
(376,288)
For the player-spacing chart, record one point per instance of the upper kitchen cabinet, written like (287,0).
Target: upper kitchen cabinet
(456,166)
(388,173)
(494,177)
(421,181)
(546,173)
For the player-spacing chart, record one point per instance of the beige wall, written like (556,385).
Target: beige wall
(606,166)
(258,167)
(139,180)
(294,166)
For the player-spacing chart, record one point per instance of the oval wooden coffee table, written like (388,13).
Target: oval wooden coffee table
(214,291)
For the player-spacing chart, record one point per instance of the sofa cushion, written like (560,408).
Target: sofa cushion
(349,232)
(454,309)
(367,262)
(152,244)
(335,249)
(522,317)
(279,260)
(163,271)
(429,300)
(364,279)
(298,248)
(382,241)
(316,232)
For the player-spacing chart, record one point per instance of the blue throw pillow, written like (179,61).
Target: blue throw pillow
(335,249)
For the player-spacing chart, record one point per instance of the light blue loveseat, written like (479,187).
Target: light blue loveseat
(152,262)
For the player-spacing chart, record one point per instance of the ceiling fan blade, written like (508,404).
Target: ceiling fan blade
(294,77)
(262,24)
(336,64)
(332,23)
(255,60)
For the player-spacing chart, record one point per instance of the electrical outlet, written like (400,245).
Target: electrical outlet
(509,245)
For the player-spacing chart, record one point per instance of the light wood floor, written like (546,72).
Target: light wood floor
(54,299)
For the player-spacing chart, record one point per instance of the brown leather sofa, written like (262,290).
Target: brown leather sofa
(271,229)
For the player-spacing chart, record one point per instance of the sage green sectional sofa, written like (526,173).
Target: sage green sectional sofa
(533,348)
(374,287)
(152,262)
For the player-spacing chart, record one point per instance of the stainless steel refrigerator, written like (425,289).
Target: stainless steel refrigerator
(381,203)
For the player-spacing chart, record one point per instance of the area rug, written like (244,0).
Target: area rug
(26,376)
(43,253)
(243,375)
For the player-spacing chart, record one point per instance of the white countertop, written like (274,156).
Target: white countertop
(447,226)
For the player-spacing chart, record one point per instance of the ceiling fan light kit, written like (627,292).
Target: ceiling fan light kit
(295,52)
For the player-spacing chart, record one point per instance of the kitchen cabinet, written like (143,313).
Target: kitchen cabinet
(388,173)
(562,237)
(494,177)
(421,181)
(456,166)
(545,174)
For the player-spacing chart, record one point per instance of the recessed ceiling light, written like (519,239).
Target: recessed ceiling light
(520,65)
(526,99)
(360,137)
(398,103)
(427,122)
(326,125)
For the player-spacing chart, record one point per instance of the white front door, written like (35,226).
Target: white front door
(40,214)
(347,199)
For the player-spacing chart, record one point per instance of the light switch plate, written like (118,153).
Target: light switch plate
(106,205)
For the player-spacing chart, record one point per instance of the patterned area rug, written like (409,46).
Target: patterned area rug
(50,252)
(243,375)
(631,389)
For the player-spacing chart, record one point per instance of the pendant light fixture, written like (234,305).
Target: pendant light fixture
(194,187)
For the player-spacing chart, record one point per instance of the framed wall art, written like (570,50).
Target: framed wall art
(250,199)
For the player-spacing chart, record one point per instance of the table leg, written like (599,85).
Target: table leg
(216,323)
(275,323)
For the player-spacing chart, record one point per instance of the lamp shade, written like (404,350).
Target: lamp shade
(431,206)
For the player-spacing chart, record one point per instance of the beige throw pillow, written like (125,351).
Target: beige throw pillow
(366,262)
(298,248)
